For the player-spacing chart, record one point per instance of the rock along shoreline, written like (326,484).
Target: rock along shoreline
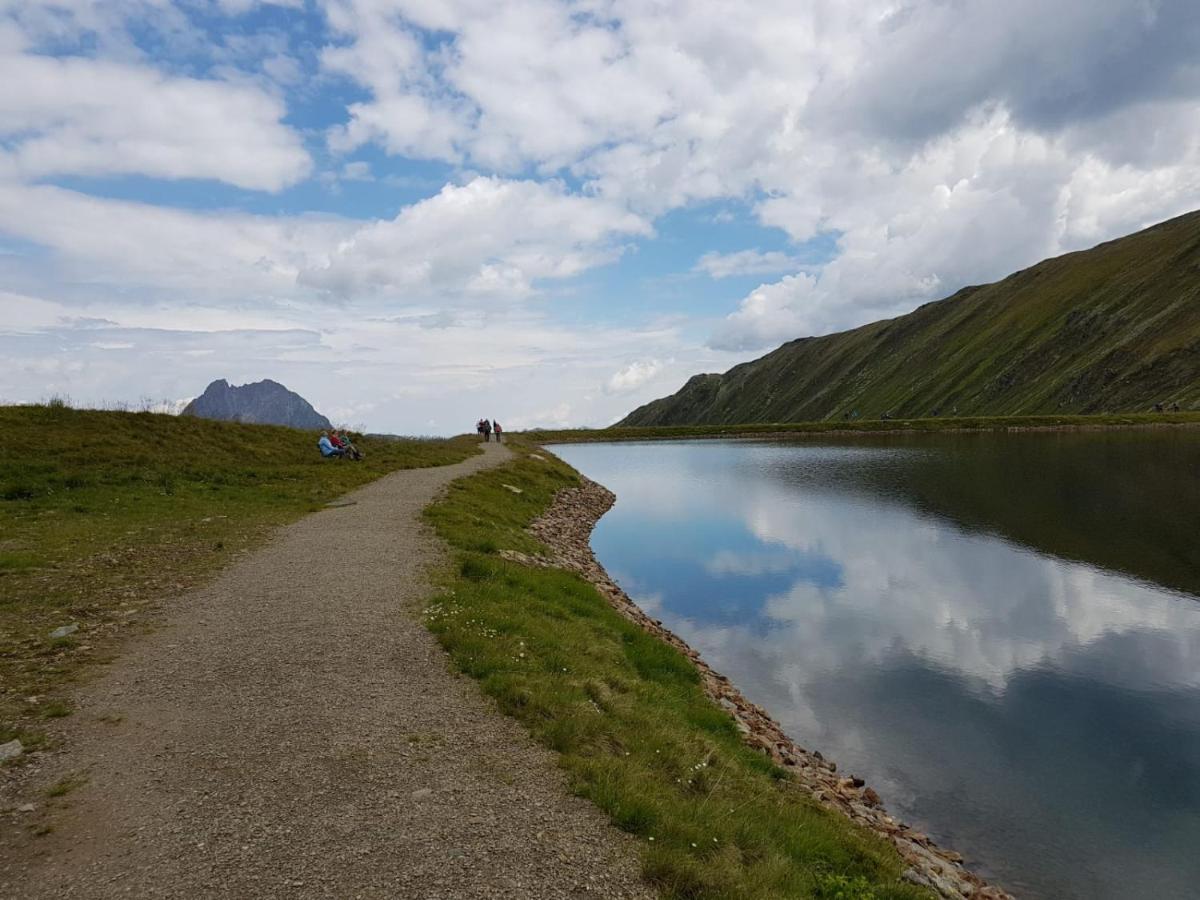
(566,528)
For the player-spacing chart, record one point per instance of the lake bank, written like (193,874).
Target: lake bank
(842,428)
(566,528)
(628,714)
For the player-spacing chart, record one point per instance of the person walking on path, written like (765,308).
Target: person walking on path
(499,431)
(487,430)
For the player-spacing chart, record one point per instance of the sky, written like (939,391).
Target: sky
(419,212)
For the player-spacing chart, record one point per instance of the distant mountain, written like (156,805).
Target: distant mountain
(1115,328)
(261,403)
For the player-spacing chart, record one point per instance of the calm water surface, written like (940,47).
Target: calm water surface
(1000,633)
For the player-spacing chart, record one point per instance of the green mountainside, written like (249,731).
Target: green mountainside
(1114,328)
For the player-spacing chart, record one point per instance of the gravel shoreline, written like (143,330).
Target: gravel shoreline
(566,529)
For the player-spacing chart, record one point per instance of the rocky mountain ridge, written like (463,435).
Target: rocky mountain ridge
(263,402)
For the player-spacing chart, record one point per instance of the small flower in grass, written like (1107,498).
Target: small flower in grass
(693,845)
(651,837)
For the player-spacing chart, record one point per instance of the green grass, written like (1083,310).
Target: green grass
(64,786)
(862,426)
(628,716)
(102,514)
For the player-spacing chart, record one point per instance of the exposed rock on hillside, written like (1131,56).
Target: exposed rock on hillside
(261,403)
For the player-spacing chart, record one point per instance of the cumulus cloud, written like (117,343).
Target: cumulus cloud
(77,115)
(947,143)
(490,237)
(633,376)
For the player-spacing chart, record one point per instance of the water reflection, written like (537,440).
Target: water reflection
(1040,715)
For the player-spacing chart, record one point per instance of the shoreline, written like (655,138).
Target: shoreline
(809,430)
(566,528)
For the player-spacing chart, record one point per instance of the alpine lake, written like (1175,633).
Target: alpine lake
(999,632)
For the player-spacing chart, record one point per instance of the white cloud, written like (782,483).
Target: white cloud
(745,262)
(841,117)
(85,116)
(488,237)
(631,377)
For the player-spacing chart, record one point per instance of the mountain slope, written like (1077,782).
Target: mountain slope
(261,403)
(1114,328)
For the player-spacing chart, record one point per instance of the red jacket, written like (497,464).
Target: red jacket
(336,441)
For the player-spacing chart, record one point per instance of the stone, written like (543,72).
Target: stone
(871,798)
(11,750)
(26,808)
(513,488)
(63,631)
(422,794)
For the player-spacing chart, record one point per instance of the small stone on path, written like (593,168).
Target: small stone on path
(63,631)
(11,750)
(422,794)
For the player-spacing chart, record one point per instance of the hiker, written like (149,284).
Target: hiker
(342,440)
(325,445)
(487,430)
(499,431)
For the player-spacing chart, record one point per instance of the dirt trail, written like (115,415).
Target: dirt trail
(294,731)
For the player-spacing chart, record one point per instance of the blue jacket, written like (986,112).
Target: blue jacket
(327,448)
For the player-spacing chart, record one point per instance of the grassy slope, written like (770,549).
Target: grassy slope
(1114,328)
(627,714)
(103,513)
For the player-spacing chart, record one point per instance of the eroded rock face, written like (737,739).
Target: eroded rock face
(566,528)
(260,403)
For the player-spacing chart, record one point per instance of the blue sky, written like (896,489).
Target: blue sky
(548,211)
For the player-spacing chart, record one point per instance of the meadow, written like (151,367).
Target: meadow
(106,515)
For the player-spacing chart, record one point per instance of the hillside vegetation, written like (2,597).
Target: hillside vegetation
(103,514)
(1111,329)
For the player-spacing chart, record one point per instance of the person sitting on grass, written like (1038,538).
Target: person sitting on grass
(327,449)
(343,441)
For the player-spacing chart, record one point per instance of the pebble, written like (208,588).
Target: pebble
(11,750)
(63,631)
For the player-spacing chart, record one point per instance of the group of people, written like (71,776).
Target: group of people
(337,445)
(487,429)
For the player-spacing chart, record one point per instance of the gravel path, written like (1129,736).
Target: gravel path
(294,731)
